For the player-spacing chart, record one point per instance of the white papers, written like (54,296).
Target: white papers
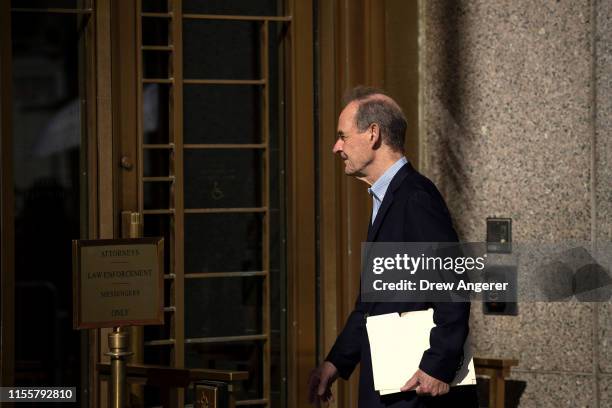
(397,344)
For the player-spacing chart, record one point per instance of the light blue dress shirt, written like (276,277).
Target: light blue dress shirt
(379,188)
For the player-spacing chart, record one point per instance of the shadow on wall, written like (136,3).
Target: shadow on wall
(454,141)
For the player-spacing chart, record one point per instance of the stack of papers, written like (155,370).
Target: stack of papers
(397,344)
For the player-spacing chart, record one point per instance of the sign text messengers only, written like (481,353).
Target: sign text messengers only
(118,282)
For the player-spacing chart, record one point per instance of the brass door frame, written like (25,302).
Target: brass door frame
(100,151)
(301,204)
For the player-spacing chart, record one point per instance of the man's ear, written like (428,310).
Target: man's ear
(375,137)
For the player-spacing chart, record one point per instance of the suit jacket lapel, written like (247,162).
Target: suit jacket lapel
(384,207)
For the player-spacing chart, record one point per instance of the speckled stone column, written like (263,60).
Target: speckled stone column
(603,179)
(516,115)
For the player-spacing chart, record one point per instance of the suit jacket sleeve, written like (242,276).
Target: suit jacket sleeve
(346,352)
(427,220)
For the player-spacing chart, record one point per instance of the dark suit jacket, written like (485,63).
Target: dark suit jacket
(412,211)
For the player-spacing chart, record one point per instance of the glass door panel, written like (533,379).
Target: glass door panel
(224,178)
(49,124)
(223,243)
(211,181)
(241,298)
(231,49)
(232,7)
(223,114)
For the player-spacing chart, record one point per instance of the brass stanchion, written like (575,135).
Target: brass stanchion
(118,344)
(131,227)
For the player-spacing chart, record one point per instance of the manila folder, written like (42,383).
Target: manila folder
(397,344)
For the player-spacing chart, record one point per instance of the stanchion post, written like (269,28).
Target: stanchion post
(131,227)
(118,344)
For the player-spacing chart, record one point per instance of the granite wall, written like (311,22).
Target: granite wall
(516,122)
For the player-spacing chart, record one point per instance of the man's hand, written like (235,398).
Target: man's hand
(320,382)
(425,384)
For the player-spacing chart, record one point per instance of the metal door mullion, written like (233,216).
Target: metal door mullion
(178,295)
(156,15)
(228,339)
(225,146)
(139,108)
(225,210)
(195,81)
(194,16)
(266,360)
(213,275)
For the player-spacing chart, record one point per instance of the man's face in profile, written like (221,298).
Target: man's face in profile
(352,146)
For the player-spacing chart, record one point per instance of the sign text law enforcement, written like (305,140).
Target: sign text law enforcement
(118,282)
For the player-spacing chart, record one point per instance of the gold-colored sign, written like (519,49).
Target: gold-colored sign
(118,282)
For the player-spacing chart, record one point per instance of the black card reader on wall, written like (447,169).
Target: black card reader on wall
(499,235)
(499,241)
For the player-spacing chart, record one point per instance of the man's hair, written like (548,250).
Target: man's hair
(375,106)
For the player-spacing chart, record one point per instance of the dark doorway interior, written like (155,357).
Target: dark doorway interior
(47,137)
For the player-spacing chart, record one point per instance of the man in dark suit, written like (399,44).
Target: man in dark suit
(407,207)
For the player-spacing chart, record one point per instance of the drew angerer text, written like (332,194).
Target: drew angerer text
(425,285)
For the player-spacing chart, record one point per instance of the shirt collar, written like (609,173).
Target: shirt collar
(379,188)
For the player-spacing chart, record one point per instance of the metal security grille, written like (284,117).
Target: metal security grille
(193,188)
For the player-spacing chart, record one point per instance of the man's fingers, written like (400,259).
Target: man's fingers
(315,399)
(411,383)
(313,385)
(328,396)
(322,387)
(322,393)
(331,397)
(424,384)
(312,390)
(314,376)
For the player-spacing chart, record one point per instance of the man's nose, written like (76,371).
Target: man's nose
(337,146)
